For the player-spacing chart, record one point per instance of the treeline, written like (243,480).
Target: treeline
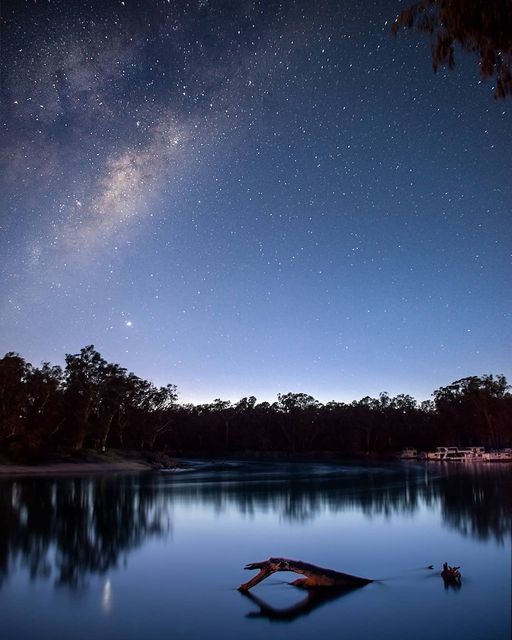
(91,403)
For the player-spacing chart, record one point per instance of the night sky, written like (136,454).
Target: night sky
(246,198)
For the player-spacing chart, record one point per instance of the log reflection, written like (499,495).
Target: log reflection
(312,601)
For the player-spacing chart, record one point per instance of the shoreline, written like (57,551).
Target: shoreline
(84,462)
(71,468)
(118,461)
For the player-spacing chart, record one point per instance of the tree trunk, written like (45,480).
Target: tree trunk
(315,576)
(105,431)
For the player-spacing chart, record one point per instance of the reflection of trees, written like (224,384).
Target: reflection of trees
(297,495)
(478,502)
(76,527)
(71,528)
(474,499)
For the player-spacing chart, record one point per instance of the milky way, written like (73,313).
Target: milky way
(252,197)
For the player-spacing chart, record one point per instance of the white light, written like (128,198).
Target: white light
(106,596)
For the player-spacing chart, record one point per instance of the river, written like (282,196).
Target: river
(160,555)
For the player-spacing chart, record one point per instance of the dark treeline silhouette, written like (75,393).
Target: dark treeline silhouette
(91,403)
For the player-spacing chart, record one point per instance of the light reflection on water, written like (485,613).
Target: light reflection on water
(106,599)
(138,556)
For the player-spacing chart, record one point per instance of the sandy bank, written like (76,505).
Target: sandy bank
(72,468)
(85,461)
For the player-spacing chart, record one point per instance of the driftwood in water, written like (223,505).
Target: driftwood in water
(451,574)
(315,576)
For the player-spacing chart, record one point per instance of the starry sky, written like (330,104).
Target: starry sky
(246,198)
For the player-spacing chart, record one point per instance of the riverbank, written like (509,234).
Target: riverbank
(117,460)
(86,461)
(72,468)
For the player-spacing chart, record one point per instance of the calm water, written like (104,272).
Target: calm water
(160,556)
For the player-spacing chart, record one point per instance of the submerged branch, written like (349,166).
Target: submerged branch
(315,576)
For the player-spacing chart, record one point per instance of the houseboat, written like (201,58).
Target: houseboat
(444,453)
(498,455)
(468,454)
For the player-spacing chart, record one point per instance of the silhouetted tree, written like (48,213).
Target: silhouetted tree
(222,410)
(298,419)
(14,372)
(45,417)
(478,408)
(483,27)
(96,403)
(83,376)
(163,402)
(112,395)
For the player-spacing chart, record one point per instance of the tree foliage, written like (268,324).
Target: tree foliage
(482,27)
(92,403)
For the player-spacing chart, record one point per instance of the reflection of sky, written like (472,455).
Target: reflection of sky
(251,197)
(198,570)
(185,580)
(369,537)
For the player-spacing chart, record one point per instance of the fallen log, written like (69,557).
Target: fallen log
(316,577)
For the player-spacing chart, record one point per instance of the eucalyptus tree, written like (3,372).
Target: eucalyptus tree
(297,415)
(477,408)
(156,408)
(481,27)
(83,376)
(44,405)
(14,373)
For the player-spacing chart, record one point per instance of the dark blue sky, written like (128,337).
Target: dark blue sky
(252,197)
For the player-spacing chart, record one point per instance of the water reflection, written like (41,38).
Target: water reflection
(312,601)
(476,500)
(74,527)
(70,528)
(106,597)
